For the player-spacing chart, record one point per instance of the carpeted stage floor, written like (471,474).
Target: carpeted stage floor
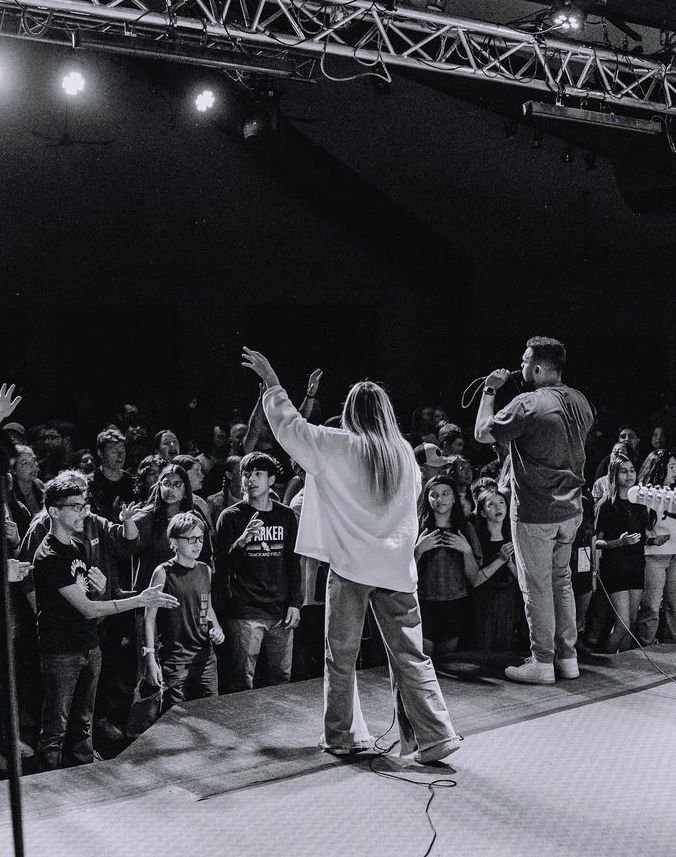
(585,767)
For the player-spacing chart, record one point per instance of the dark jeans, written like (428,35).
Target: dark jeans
(185,680)
(70,688)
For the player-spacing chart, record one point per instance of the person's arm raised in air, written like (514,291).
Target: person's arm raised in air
(309,403)
(7,406)
(486,411)
(300,439)
(255,424)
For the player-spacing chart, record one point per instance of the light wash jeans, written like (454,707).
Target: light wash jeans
(542,554)
(244,640)
(660,578)
(424,725)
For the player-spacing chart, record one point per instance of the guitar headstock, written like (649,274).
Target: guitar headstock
(654,497)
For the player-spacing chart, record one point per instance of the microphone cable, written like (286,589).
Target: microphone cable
(513,376)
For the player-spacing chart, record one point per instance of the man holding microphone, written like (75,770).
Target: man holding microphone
(546,428)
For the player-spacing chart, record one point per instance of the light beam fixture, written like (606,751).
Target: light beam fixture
(567,16)
(205,101)
(73,83)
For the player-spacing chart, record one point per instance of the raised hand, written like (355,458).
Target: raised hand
(498,378)
(128,510)
(154,597)
(313,382)
(259,364)
(250,530)
(7,406)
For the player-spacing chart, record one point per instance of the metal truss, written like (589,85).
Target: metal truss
(375,38)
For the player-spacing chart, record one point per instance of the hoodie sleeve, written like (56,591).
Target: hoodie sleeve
(300,439)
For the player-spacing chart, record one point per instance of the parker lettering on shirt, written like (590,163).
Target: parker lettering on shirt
(267,540)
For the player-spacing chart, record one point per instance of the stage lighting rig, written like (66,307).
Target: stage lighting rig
(567,16)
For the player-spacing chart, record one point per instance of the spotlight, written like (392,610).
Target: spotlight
(73,83)
(567,16)
(205,101)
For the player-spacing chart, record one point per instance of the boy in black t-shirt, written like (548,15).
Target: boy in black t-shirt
(257,582)
(67,627)
(188,668)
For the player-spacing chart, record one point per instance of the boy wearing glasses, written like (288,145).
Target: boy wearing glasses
(65,584)
(188,669)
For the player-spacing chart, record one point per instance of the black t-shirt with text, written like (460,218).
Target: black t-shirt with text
(61,628)
(261,580)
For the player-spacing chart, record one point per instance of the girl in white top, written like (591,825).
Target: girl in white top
(359,515)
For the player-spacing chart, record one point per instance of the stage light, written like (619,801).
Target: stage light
(205,101)
(73,83)
(567,16)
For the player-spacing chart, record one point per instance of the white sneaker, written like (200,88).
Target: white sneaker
(532,672)
(567,667)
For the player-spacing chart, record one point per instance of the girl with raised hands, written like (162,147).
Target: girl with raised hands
(359,516)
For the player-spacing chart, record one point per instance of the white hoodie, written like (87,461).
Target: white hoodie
(339,522)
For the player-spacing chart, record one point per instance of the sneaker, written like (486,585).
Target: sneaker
(357,747)
(532,672)
(566,668)
(107,730)
(444,762)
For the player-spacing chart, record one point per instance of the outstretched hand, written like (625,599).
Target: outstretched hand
(313,382)
(260,364)
(7,406)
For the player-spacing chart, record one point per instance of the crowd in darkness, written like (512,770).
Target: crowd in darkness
(178,546)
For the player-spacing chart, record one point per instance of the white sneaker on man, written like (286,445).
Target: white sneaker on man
(566,667)
(532,672)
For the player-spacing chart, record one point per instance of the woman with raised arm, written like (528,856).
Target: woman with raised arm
(359,516)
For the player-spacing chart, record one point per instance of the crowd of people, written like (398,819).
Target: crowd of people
(170,558)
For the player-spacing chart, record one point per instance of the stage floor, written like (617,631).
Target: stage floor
(585,767)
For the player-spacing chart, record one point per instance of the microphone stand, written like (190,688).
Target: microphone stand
(7,670)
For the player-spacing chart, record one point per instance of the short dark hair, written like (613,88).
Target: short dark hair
(182,523)
(259,461)
(449,432)
(549,351)
(61,487)
(109,435)
(187,462)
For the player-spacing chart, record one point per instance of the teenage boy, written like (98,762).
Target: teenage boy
(257,582)
(111,485)
(65,583)
(188,669)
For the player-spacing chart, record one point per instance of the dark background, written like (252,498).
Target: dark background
(402,237)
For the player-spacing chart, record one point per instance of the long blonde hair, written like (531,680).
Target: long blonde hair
(368,414)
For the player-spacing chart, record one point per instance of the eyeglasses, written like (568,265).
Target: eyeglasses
(176,484)
(192,540)
(77,507)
